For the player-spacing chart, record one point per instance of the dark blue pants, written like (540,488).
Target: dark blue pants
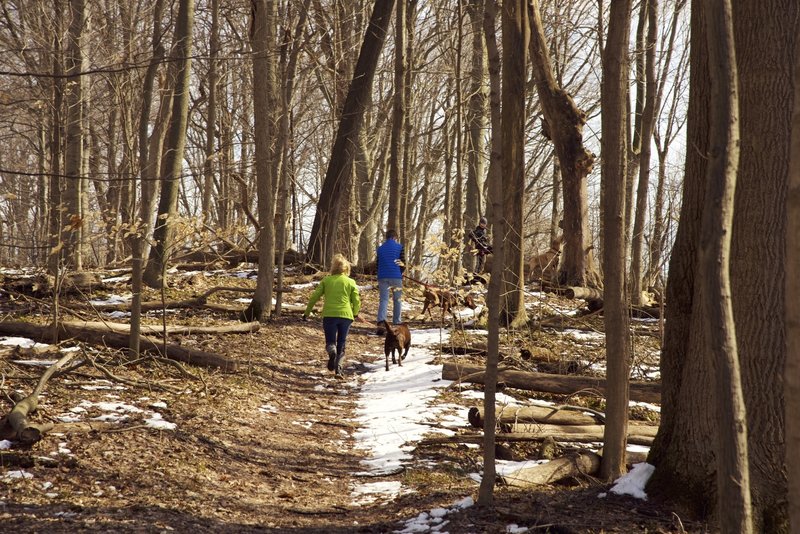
(336,329)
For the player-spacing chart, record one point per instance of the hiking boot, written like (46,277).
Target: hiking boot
(331,350)
(338,365)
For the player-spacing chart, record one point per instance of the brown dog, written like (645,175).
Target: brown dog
(444,299)
(398,338)
(544,266)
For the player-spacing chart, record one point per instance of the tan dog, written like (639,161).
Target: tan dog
(398,338)
(544,266)
(445,300)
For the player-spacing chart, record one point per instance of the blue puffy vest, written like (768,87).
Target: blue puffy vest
(388,253)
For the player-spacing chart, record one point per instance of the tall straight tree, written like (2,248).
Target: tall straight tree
(337,177)
(399,116)
(791,375)
(733,479)
(263,31)
(493,299)
(516,34)
(55,198)
(173,148)
(613,174)
(477,115)
(683,455)
(74,138)
(647,121)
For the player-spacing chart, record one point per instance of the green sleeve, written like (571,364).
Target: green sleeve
(355,300)
(315,297)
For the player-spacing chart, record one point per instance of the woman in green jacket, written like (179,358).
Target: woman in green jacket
(341,306)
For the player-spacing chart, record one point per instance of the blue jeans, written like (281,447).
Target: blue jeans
(336,329)
(384,284)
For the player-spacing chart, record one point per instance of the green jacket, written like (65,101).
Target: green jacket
(341,297)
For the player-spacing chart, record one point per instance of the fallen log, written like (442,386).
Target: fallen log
(16,423)
(566,385)
(118,340)
(236,328)
(571,466)
(531,414)
(637,434)
(588,293)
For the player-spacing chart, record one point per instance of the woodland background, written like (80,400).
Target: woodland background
(147,133)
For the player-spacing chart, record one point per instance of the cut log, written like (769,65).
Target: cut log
(637,434)
(588,293)
(118,340)
(560,384)
(236,328)
(572,466)
(531,414)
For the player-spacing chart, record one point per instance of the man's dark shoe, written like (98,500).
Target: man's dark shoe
(331,350)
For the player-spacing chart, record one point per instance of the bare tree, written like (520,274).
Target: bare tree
(516,34)
(733,479)
(563,124)
(615,308)
(265,97)
(337,177)
(173,149)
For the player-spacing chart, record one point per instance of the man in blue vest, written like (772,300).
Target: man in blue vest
(391,264)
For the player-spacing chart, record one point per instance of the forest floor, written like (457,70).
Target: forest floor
(269,448)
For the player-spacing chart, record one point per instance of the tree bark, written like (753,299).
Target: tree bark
(614,170)
(733,479)
(493,302)
(265,98)
(516,34)
(791,374)
(683,456)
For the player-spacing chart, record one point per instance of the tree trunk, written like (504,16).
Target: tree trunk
(476,124)
(516,33)
(683,456)
(173,150)
(648,118)
(74,137)
(733,481)
(493,299)
(564,126)
(398,119)
(614,171)
(337,177)
(791,374)
(265,99)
